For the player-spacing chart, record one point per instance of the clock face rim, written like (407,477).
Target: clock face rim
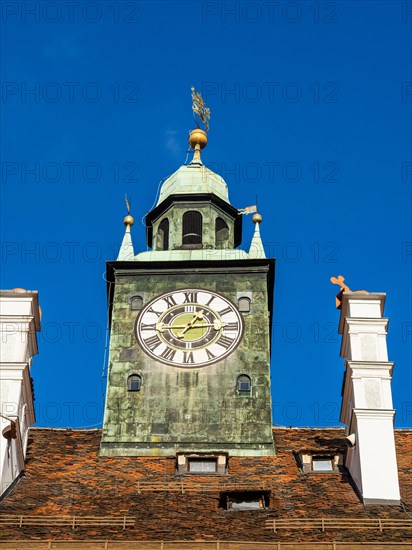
(223,356)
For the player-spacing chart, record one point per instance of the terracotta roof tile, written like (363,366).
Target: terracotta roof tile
(65,476)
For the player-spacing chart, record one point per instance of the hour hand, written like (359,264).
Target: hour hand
(196,316)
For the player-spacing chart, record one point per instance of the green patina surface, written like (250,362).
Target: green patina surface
(194,178)
(197,409)
(178,408)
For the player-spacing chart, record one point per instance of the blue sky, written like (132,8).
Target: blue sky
(311,112)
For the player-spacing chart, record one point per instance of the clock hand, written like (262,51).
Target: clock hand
(196,316)
(217,325)
(160,327)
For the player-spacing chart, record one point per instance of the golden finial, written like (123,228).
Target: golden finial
(128,220)
(198,137)
(257,218)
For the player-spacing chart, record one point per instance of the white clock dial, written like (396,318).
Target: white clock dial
(189,328)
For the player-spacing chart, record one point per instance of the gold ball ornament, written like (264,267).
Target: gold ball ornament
(129,220)
(198,137)
(257,218)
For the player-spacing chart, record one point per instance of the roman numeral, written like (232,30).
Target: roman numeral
(152,342)
(210,301)
(151,310)
(210,354)
(224,311)
(190,297)
(170,301)
(232,326)
(148,327)
(190,309)
(188,357)
(225,342)
(168,354)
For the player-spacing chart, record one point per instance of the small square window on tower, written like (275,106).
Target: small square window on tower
(136,303)
(244,302)
(134,383)
(244,385)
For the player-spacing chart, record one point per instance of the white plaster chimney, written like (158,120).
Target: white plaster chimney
(19,322)
(367,408)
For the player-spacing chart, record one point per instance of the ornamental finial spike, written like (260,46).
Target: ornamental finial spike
(128,220)
(198,137)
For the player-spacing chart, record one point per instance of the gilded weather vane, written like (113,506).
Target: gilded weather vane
(200,109)
(340,280)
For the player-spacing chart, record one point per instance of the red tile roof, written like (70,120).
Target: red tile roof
(65,476)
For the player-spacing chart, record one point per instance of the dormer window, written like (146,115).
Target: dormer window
(245,500)
(162,239)
(221,231)
(192,229)
(322,463)
(315,462)
(201,463)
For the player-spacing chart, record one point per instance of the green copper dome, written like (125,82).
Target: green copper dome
(194,178)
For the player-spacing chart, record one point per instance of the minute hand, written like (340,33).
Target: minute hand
(217,325)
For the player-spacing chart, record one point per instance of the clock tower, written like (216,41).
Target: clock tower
(190,324)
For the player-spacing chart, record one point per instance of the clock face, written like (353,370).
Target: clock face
(189,328)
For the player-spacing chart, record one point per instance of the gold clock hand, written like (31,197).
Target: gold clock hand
(160,327)
(217,325)
(196,316)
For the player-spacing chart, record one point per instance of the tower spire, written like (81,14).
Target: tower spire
(256,246)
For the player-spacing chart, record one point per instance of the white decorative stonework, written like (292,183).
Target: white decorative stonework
(367,408)
(19,323)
